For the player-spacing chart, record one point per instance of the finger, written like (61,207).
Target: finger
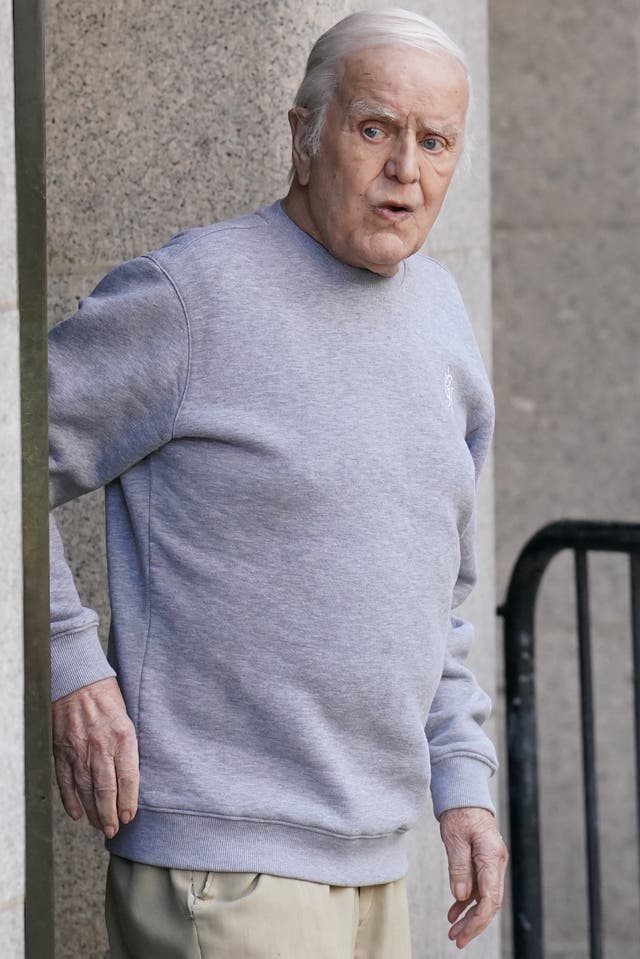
(128,776)
(502,870)
(105,791)
(458,908)
(84,788)
(490,861)
(66,785)
(460,868)
(473,922)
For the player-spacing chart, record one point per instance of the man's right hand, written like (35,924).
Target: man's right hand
(96,756)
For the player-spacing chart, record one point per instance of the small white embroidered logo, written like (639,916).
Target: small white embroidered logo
(448,387)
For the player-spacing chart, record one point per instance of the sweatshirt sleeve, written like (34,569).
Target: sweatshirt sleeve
(463,758)
(118,370)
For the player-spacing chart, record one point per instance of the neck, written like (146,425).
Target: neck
(297,209)
(296,206)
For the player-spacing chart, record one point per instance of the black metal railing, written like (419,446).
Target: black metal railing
(518,610)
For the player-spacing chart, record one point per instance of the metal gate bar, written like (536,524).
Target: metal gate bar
(518,610)
(634,569)
(588,754)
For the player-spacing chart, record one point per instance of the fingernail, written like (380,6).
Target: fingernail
(125,817)
(109,832)
(460,891)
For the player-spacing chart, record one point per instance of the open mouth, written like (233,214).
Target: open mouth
(393,211)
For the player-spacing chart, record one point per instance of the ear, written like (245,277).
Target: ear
(298,120)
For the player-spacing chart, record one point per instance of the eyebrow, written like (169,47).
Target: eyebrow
(374,111)
(361,108)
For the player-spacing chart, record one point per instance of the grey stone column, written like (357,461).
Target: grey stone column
(157,123)
(566,210)
(11,660)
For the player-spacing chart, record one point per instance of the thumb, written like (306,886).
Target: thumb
(460,868)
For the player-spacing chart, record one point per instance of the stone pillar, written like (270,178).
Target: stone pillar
(157,123)
(566,212)
(11,660)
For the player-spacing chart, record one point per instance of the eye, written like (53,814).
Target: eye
(372,133)
(433,144)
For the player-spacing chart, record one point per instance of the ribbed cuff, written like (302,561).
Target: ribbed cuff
(77,659)
(460,781)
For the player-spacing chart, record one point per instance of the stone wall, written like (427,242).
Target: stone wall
(159,123)
(11,661)
(566,213)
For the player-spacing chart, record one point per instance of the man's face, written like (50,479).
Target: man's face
(390,145)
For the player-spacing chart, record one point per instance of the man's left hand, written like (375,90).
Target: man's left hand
(478,860)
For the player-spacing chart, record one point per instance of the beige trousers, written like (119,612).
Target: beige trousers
(156,913)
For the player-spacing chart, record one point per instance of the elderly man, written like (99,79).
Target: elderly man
(288,411)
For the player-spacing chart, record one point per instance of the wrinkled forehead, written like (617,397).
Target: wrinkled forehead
(400,76)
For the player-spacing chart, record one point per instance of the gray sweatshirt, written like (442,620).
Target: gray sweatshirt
(290,448)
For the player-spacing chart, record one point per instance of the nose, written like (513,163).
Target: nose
(402,163)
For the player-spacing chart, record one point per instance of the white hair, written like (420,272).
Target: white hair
(359,31)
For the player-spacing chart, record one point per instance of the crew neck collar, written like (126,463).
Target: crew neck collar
(353,274)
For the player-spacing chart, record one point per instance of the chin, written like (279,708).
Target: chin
(386,258)
(384,269)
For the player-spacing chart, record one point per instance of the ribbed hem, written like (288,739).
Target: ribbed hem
(215,843)
(77,659)
(460,781)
